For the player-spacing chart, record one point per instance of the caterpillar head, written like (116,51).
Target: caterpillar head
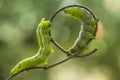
(75,12)
(44,24)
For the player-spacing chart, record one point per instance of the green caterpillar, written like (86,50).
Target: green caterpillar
(45,49)
(88,27)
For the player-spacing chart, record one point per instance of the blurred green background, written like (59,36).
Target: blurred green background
(18,23)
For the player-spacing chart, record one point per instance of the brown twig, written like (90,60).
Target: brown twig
(53,65)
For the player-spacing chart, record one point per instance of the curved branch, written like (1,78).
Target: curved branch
(61,9)
(58,46)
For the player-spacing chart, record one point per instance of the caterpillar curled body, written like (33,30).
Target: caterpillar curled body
(88,27)
(43,52)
